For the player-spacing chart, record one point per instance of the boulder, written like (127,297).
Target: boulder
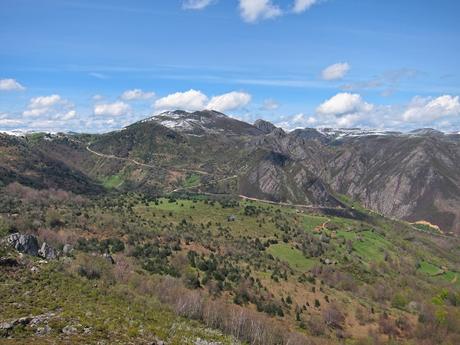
(231,218)
(67,250)
(47,252)
(69,330)
(26,244)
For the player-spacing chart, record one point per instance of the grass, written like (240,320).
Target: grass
(200,212)
(371,247)
(428,268)
(292,256)
(112,182)
(191,181)
(115,313)
(311,222)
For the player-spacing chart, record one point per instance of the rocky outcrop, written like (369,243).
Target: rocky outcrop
(265,126)
(47,252)
(26,244)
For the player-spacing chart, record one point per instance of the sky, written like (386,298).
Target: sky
(99,65)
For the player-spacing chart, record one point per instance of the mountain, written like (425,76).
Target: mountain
(203,122)
(414,176)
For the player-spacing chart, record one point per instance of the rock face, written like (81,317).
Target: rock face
(265,126)
(47,252)
(26,244)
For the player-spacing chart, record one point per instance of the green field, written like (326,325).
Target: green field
(112,182)
(292,256)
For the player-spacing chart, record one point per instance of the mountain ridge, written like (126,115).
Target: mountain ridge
(413,176)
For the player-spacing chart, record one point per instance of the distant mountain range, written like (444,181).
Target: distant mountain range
(413,176)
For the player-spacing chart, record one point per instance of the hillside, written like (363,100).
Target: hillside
(130,265)
(411,176)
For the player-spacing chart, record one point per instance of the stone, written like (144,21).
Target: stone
(26,244)
(69,330)
(8,262)
(34,269)
(43,330)
(67,250)
(6,326)
(47,252)
(231,218)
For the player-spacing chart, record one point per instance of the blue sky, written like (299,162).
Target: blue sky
(95,65)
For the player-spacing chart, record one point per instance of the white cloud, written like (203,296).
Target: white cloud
(98,97)
(44,101)
(335,71)
(303,5)
(344,104)
(136,94)
(270,104)
(253,10)
(53,105)
(10,85)
(189,100)
(300,120)
(67,115)
(35,112)
(229,101)
(112,109)
(196,4)
(428,109)
(6,122)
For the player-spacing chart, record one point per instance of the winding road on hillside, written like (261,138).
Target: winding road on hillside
(142,164)
(244,197)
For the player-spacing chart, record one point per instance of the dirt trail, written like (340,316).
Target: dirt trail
(142,164)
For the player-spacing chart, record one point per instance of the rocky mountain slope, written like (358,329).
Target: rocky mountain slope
(413,176)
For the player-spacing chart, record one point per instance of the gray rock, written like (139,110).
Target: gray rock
(43,330)
(67,250)
(69,330)
(231,218)
(5,326)
(47,252)
(26,244)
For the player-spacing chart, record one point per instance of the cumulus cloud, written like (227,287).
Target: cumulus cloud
(44,101)
(196,4)
(344,104)
(10,85)
(112,109)
(303,5)
(424,109)
(229,101)
(136,94)
(35,112)
(300,120)
(253,10)
(189,100)
(335,71)
(52,105)
(67,115)
(193,100)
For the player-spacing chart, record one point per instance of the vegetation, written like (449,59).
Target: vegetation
(186,267)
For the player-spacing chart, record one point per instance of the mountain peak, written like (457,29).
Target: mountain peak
(203,122)
(265,126)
